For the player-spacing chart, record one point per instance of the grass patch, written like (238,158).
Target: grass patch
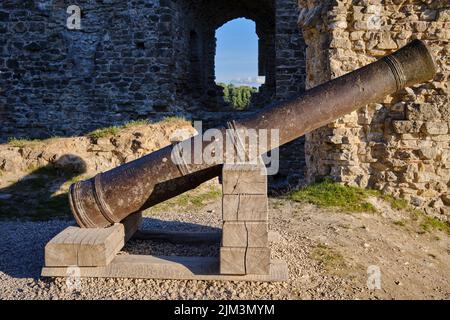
(113,130)
(328,257)
(429,224)
(104,132)
(22,142)
(190,200)
(136,123)
(330,194)
(173,119)
(399,223)
(396,204)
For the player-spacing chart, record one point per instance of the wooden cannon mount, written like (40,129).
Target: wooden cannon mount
(244,252)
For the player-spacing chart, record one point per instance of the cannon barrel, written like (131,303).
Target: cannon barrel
(112,196)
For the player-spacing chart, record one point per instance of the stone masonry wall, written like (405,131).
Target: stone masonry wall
(141,59)
(400,146)
(56,81)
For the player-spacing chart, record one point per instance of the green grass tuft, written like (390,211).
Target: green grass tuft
(104,132)
(396,203)
(136,123)
(20,143)
(190,200)
(173,119)
(399,223)
(331,194)
(328,257)
(430,224)
(114,130)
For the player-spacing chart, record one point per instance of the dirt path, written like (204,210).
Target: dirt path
(328,253)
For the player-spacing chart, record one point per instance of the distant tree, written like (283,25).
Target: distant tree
(238,97)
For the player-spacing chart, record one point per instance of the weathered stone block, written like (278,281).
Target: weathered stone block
(406,126)
(435,127)
(446,199)
(245,207)
(428,153)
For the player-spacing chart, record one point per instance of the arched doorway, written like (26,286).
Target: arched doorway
(237,62)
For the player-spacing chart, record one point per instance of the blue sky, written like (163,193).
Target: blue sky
(237,51)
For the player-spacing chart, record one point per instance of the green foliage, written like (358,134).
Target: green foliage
(399,223)
(191,200)
(429,224)
(135,123)
(104,132)
(20,143)
(114,130)
(238,97)
(396,203)
(173,119)
(328,257)
(330,194)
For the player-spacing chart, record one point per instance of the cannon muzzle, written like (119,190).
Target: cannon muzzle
(111,196)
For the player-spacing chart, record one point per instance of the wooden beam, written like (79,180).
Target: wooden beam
(245,234)
(177,268)
(76,246)
(245,207)
(244,179)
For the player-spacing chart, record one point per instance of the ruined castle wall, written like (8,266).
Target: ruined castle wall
(56,81)
(290,51)
(130,60)
(401,145)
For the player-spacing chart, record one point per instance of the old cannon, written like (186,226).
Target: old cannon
(110,197)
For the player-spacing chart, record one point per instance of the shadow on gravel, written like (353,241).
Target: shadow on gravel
(175,238)
(22,243)
(28,209)
(39,195)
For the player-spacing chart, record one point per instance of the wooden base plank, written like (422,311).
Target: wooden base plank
(76,246)
(175,268)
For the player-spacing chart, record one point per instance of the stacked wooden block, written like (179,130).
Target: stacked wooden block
(75,246)
(245,243)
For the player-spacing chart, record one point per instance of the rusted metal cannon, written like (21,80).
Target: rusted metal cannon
(112,196)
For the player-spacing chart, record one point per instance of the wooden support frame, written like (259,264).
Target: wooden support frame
(176,268)
(244,253)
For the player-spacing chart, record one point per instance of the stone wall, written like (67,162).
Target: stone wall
(56,81)
(130,60)
(400,146)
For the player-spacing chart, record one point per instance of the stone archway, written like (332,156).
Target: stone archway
(203,18)
(281,60)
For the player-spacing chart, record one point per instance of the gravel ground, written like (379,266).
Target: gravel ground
(414,266)
(22,246)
